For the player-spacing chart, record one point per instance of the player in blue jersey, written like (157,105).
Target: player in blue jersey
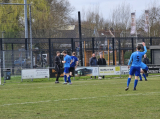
(136,59)
(74,63)
(143,71)
(67,61)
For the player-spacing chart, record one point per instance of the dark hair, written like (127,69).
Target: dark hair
(57,52)
(139,47)
(65,52)
(74,53)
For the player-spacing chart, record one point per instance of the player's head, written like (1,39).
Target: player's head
(145,55)
(64,53)
(74,53)
(93,55)
(138,47)
(58,53)
(101,56)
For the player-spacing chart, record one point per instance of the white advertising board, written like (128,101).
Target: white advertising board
(124,70)
(35,73)
(86,71)
(109,71)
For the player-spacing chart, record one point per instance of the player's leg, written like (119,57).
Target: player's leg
(144,76)
(65,76)
(140,75)
(72,69)
(145,71)
(68,76)
(70,73)
(135,82)
(131,72)
(69,79)
(57,78)
(128,82)
(58,74)
(137,73)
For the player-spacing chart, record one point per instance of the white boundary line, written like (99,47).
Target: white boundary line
(85,98)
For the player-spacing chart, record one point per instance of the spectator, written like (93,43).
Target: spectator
(145,60)
(93,61)
(101,61)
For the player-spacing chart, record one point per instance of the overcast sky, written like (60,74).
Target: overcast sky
(106,6)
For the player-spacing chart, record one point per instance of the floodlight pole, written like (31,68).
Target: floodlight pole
(25,18)
(30,35)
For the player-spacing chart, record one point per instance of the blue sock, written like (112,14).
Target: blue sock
(69,79)
(140,77)
(135,83)
(128,82)
(65,78)
(144,76)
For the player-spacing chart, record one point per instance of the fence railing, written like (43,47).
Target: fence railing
(16,53)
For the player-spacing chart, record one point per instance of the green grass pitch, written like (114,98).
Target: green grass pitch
(85,99)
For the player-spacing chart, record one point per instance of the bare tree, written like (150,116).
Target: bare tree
(154,20)
(92,22)
(120,17)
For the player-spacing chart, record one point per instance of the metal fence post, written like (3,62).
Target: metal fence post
(80,38)
(50,58)
(1,57)
(132,45)
(12,59)
(151,50)
(41,59)
(26,47)
(92,45)
(72,44)
(143,40)
(119,48)
(113,51)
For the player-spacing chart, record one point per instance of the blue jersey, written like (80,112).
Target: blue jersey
(74,60)
(136,58)
(67,58)
(143,66)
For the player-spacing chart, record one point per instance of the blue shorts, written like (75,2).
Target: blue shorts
(66,70)
(145,70)
(134,70)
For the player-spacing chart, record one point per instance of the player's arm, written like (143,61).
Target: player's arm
(145,49)
(71,61)
(76,64)
(130,60)
(64,61)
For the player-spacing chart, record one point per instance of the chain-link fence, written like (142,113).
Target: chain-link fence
(16,53)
